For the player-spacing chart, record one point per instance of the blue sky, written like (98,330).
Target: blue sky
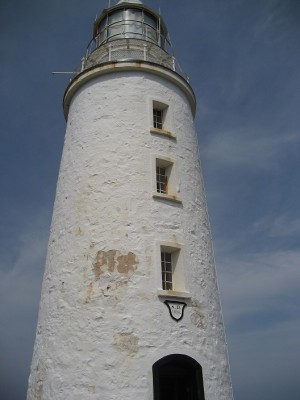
(243,60)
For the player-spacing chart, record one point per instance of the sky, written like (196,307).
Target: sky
(242,57)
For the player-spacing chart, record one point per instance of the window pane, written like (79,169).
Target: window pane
(102,30)
(133,29)
(150,33)
(168,286)
(161,180)
(150,20)
(115,31)
(133,14)
(133,23)
(150,27)
(115,17)
(115,24)
(157,118)
(166,271)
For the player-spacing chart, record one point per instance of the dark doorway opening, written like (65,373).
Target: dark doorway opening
(177,377)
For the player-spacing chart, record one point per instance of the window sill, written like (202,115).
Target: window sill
(173,294)
(170,197)
(163,133)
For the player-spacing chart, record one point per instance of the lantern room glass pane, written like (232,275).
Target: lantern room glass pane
(128,23)
(133,14)
(115,23)
(115,17)
(150,20)
(133,24)
(150,26)
(102,30)
(115,31)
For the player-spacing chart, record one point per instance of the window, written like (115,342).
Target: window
(165,179)
(170,266)
(150,26)
(160,115)
(166,271)
(161,180)
(165,184)
(164,176)
(177,377)
(130,23)
(133,23)
(157,118)
(160,118)
(115,25)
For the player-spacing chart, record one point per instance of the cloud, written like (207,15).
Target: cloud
(276,20)
(279,226)
(20,274)
(20,285)
(261,285)
(260,293)
(248,150)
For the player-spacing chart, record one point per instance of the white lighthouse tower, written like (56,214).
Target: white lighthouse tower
(130,306)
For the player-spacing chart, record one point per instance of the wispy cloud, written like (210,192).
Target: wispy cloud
(261,284)
(248,150)
(20,280)
(261,305)
(276,20)
(30,246)
(278,226)
(20,285)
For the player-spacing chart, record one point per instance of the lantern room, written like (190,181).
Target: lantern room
(130,20)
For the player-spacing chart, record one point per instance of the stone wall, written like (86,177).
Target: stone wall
(101,323)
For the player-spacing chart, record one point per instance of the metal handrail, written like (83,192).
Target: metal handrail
(129,49)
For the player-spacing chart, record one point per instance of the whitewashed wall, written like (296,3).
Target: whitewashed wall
(101,323)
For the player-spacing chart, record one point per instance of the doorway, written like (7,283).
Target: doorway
(177,377)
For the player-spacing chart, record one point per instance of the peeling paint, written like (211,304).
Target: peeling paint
(114,289)
(104,261)
(127,263)
(127,343)
(38,387)
(38,391)
(110,261)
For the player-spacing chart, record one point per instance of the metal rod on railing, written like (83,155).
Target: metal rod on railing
(82,63)
(174,63)
(159,34)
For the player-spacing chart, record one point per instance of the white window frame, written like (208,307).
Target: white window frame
(173,184)
(179,288)
(167,270)
(166,130)
(158,117)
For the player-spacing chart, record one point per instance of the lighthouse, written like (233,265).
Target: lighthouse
(130,306)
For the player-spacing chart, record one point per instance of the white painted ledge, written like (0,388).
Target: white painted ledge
(163,132)
(169,197)
(121,66)
(173,294)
